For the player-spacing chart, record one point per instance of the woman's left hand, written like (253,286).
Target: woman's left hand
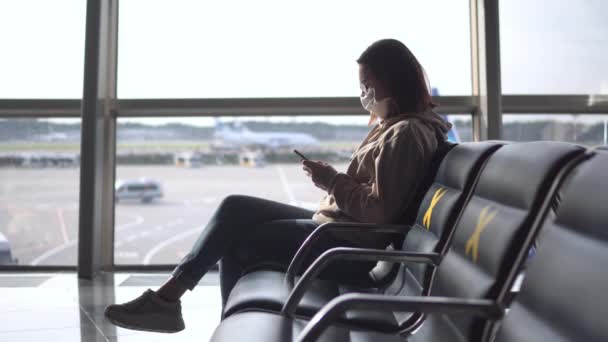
(322,174)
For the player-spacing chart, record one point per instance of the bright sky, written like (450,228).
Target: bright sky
(281,48)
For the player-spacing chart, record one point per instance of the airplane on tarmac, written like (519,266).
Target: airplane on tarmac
(236,135)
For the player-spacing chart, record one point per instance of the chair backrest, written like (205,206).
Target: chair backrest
(439,211)
(496,229)
(444,202)
(385,272)
(564,296)
(410,213)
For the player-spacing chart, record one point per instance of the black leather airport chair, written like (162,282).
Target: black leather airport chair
(490,244)
(439,211)
(385,272)
(563,297)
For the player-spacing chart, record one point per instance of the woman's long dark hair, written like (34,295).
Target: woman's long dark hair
(393,64)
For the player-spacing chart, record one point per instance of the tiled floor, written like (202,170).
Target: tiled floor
(60,307)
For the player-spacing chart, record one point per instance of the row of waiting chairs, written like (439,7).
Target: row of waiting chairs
(457,265)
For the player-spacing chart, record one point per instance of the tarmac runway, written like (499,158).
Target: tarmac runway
(39,208)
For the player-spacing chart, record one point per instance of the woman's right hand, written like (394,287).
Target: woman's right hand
(321,173)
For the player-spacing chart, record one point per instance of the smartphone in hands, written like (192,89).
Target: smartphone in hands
(300,154)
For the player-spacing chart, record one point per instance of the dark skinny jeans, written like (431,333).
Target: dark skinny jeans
(245,232)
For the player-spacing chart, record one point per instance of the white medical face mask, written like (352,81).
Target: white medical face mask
(368,101)
(368,98)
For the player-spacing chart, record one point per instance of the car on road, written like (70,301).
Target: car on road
(142,189)
(6,257)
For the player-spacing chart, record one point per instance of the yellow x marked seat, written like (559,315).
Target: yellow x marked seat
(485,217)
(429,212)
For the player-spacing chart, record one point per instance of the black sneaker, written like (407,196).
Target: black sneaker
(147,312)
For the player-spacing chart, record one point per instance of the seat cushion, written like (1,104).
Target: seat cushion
(270,327)
(437,327)
(267,291)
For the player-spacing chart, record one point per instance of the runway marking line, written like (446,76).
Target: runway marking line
(62,225)
(168,242)
(290,196)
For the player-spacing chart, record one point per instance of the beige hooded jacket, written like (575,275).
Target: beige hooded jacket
(383,174)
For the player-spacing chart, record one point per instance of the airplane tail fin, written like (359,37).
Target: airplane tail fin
(219,125)
(227,127)
(453,133)
(220,128)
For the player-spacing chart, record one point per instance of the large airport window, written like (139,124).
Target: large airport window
(554,46)
(273,48)
(172,173)
(589,130)
(42,48)
(39,184)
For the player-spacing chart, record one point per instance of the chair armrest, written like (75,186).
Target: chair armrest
(357,254)
(300,256)
(338,306)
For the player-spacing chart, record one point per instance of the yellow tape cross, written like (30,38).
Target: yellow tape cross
(482,222)
(426,220)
